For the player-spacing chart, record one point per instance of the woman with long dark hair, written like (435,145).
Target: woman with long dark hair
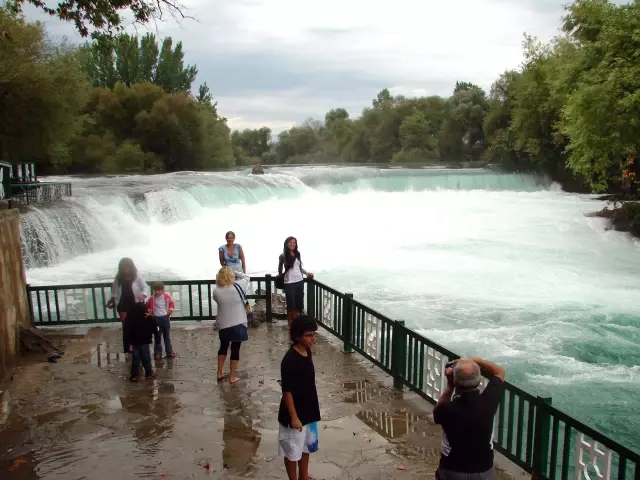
(128,288)
(290,263)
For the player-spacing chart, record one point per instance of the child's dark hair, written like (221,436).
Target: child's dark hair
(155,286)
(301,324)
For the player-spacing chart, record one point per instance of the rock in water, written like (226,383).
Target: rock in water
(257,169)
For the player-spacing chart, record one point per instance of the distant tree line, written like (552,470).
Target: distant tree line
(123,103)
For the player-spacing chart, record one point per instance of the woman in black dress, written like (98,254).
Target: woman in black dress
(128,288)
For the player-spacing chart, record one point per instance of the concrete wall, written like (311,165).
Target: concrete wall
(14,311)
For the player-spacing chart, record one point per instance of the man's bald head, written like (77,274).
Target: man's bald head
(466,374)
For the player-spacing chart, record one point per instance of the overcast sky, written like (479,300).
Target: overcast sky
(278,62)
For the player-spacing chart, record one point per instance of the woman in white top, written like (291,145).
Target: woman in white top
(128,288)
(291,262)
(230,295)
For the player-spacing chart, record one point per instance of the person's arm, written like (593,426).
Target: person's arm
(142,285)
(243,282)
(172,305)
(287,377)
(114,293)
(446,395)
(487,368)
(291,408)
(280,264)
(221,256)
(304,272)
(244,264)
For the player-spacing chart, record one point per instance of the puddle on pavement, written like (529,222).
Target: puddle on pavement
(178,423)
(361,391)
(240,445)
(4,406)
(379,415)
(104,355)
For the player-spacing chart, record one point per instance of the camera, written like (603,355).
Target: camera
(449,364)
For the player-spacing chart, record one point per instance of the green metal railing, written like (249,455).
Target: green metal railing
(528,430)
(86,303)
(34,193)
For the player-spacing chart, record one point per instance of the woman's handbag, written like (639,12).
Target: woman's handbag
(247,307)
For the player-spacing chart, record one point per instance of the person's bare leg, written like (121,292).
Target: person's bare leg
(221,359)
(290,316)
(291,468)
(233,377)
(303,467)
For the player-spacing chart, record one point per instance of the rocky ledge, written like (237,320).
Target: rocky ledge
(623,218)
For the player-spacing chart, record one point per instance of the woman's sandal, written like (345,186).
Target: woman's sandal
(220,379)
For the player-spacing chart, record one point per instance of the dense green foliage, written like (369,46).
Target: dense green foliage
(139,116)
(571,110)
(126,60)
(42,90)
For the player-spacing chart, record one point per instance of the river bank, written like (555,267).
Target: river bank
(625,218)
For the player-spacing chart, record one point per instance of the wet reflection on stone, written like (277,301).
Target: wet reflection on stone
(363,391)
(386,424)
(4,406)
(153,407)
(104,354)
(81,419)
(240,439)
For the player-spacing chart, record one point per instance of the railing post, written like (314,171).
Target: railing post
(347,323)
(398,353)
(268,301)
(30,303)
(541,439)
(311,298)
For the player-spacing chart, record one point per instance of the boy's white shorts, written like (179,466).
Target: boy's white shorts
(293,443)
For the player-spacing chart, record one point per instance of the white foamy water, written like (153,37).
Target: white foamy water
(503,266)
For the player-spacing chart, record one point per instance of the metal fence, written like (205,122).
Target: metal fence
(87,303)
(528,430)
(34,193)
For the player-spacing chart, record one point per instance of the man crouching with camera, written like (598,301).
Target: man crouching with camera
(467,419)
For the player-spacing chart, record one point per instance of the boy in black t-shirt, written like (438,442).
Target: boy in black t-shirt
(299,409)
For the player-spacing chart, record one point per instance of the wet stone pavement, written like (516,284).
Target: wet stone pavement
(82,419)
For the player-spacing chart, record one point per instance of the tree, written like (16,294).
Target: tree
(462,134)
(143,128)
(126,59)
(500,139)
(251,146)
(104,16)
(171,74)
(42,89)
(601,116)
